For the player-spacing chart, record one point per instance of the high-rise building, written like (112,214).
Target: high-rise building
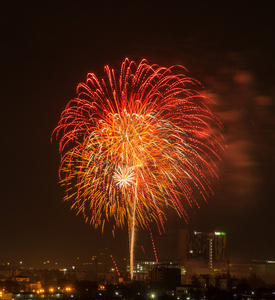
(204,247)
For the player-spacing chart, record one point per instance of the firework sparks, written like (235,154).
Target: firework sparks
(124,177)
(135,143)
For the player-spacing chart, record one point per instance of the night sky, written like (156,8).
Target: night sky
(48,47)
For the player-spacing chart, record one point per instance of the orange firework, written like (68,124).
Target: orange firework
(135,143)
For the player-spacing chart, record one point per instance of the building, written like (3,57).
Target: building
(141,268)
(202,249)
(150,270)
(168,275)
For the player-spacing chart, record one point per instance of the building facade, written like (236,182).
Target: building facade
(204,249)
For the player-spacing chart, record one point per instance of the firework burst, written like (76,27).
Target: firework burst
(134,143)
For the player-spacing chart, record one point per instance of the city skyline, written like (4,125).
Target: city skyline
(48,48)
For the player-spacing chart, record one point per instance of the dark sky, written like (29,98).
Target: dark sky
(48,47)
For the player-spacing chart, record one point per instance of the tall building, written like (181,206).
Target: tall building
(169,276)
(208,248)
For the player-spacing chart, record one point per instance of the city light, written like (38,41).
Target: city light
(220,233)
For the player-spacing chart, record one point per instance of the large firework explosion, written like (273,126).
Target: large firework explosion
(135,143)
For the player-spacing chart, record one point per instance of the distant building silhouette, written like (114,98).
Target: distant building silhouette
(204,249)
(168,275)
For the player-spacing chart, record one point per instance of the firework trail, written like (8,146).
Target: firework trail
(134,143)
(115,265)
